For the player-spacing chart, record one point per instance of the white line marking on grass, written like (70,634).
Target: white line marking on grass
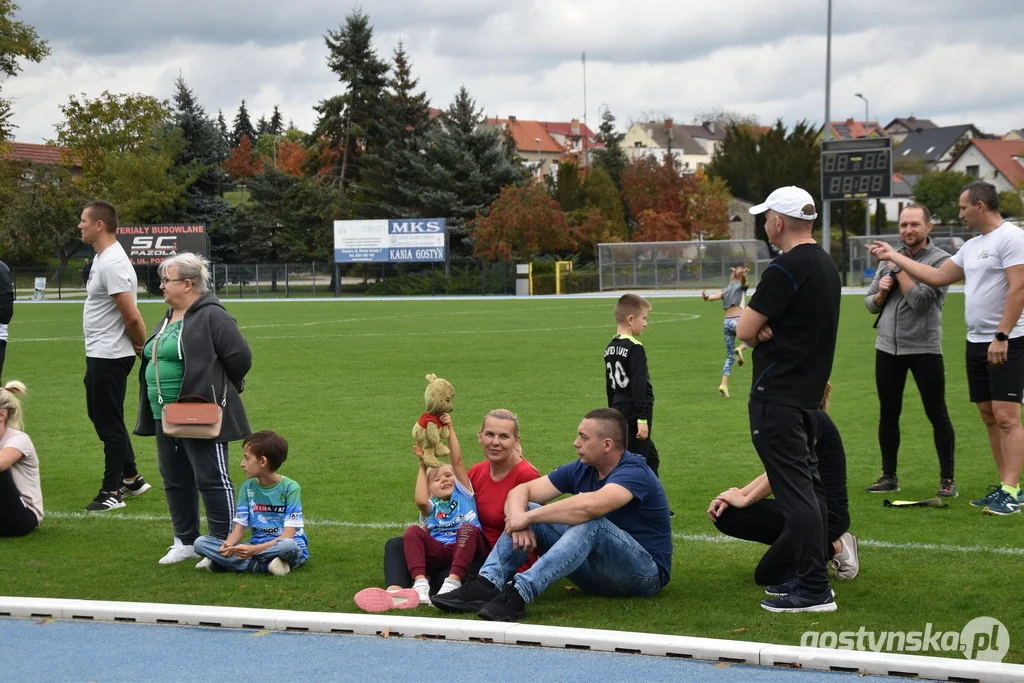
(697,538)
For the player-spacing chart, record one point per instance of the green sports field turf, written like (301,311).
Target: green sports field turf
(343,381)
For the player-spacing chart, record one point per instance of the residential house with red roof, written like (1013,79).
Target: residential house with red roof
(1000,162)
(851,130)
(32,153)
(544,144)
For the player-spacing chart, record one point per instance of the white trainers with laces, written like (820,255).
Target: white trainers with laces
(203,563)
(422,588)
(278,567)
(448,586)
(846,562)
(178,552)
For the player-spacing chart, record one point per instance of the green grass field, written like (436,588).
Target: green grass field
(343,381)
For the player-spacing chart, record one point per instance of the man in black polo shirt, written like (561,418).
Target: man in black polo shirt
(791,321)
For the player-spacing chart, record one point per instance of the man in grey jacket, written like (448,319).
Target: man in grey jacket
(910,338)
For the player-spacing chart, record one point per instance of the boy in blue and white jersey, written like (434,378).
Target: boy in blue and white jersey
(271,506)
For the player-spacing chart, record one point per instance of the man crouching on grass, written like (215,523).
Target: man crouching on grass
(611,538)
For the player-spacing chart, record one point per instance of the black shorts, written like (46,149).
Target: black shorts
(996,382)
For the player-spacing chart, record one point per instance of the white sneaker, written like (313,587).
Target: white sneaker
(422,588)
(178,553)
(278,567)
(203,563)
(846,562)
(449,585)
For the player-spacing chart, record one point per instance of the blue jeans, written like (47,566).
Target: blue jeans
(597,556)
(285,548)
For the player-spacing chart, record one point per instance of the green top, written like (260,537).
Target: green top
(172,368)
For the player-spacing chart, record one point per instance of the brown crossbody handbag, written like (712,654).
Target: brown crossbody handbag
(198,419)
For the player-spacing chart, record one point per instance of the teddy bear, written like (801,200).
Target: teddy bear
(428,430)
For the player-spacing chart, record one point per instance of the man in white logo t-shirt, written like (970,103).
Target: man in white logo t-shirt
(992,267)
(114,334)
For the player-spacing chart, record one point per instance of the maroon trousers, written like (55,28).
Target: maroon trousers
(426,556)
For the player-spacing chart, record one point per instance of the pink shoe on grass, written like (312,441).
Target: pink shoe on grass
(380,600)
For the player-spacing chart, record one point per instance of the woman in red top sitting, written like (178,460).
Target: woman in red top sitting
(503,469)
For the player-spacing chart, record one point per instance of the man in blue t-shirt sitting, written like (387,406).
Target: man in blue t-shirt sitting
(611,538)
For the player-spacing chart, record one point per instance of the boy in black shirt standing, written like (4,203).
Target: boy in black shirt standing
(627,380)
(792,321)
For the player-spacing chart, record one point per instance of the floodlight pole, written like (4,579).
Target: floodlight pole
(826,219)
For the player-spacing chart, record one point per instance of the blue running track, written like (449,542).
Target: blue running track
(42,650)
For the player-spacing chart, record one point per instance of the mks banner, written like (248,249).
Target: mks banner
(409,240)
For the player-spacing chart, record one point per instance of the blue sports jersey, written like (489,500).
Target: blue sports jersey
(268,511)
(448,515)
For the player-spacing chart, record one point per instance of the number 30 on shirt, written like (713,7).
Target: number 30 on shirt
(617,375)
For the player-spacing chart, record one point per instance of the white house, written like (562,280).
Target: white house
(1000,162)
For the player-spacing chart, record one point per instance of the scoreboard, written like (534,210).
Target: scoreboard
(856,169)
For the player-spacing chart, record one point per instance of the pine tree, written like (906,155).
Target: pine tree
(462,114)
(348,123)
(243,126)
(276,122)
(409,108)
(203,150)
(611,158)
(222,126)
(262,127)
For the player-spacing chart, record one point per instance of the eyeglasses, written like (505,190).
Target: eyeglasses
(165,280)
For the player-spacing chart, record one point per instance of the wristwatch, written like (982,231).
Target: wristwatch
(1002,336)
(894,270)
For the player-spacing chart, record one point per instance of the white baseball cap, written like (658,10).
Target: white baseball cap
(789,201)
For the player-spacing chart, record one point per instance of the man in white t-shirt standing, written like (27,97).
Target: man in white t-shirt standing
(992,267)
(114,334)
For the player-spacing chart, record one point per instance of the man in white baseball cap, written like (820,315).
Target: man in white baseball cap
(792,321)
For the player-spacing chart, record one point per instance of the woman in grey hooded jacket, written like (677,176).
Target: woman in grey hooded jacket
(201,356)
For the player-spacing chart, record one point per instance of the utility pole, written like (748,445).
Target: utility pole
(826,219)
(586,147)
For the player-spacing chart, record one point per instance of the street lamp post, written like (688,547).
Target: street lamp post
(540,162)
(866,117)
(867,204)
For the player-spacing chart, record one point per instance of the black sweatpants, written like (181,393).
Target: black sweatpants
(396,570)
(644,447)
(763,522)
(15,518)
(930,377)
(194,468)
(3,356)
(784,439)
(106,381)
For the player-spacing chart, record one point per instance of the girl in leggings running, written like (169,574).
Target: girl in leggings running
(733,299)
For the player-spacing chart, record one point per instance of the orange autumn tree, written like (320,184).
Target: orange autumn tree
(242,163)
(670,206)
(291,158)
(521,222)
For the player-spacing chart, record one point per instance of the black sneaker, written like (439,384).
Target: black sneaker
(780,589)
(508,606)
(885,483)
(947,489)
(799,600)
(130,489)
(105,500)
(469,597)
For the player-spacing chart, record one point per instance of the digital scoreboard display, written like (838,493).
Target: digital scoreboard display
(856,169)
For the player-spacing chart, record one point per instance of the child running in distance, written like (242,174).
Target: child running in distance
(268,503)
(444,496)
(733,301)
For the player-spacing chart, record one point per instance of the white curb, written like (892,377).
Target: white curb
(764,654)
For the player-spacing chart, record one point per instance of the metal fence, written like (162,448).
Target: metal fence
(695,264)
(861,264)
(459,276)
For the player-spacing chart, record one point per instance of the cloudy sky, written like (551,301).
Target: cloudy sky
(950,61)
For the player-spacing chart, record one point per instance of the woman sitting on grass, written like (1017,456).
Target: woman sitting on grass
(21,497)
(491,480)
(446,540)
